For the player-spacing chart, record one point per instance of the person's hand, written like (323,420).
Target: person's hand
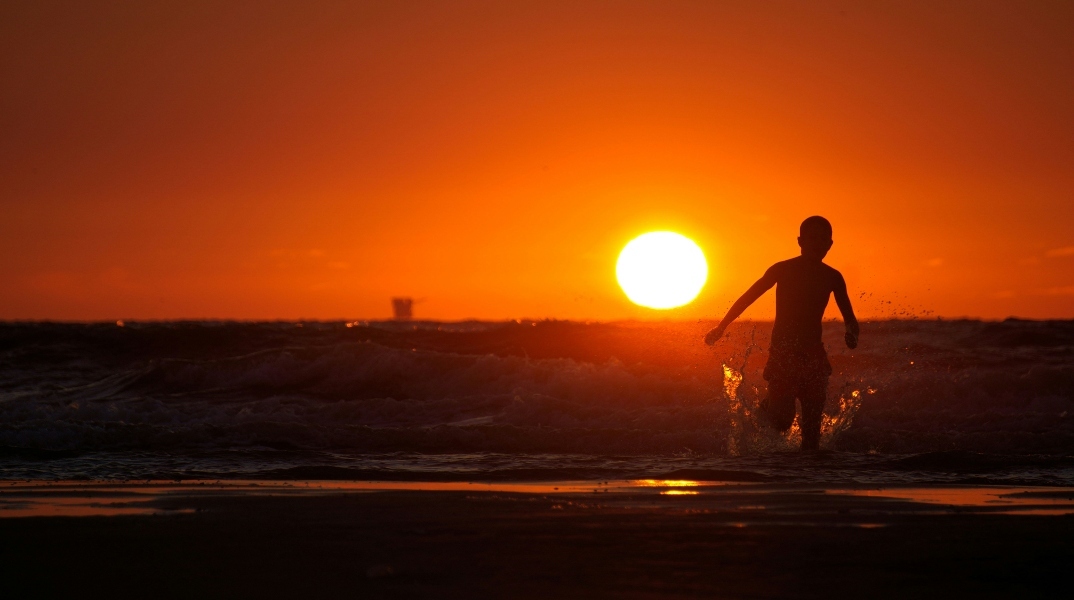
(713,335)
(852,340)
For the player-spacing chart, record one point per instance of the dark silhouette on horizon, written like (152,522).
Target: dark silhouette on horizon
(798,367)
(402,309)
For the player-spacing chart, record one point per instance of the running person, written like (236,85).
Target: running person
(798,366)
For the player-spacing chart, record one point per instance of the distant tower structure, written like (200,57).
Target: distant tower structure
(402,309)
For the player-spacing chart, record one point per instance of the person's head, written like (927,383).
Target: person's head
(815,237)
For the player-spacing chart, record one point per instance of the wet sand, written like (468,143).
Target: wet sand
(640,539)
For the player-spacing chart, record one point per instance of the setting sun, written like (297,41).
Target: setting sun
(661,270)
(496,299)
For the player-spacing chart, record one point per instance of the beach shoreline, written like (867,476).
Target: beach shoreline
(647,539)
(30,498)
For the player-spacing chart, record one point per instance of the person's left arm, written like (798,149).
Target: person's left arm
(842,299)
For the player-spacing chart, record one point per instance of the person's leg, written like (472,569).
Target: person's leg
(778,406)
(812,395)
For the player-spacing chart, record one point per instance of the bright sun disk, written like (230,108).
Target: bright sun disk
(661,269)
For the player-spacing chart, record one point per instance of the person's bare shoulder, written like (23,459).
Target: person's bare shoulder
(834,276)
(775,273)
(783,265)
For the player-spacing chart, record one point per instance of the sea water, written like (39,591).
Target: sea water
(919,401)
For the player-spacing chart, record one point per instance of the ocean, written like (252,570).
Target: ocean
(920,401)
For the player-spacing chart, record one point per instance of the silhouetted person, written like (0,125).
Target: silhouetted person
(798,366)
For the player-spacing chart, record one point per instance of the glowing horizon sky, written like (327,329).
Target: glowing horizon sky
(268,160)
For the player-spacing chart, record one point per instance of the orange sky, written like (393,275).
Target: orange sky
(312,159)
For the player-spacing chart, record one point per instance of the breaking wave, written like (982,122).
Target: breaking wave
(518,388)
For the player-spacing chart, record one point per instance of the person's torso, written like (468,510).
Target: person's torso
(803,288)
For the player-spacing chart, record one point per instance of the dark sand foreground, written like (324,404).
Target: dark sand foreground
(655,540)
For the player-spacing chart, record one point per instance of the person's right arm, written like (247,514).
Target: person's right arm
(756,290)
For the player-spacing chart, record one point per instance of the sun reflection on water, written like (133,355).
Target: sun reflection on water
(665,483)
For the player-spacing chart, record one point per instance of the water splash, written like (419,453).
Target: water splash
(833,425)
(750,434)
(741,418)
